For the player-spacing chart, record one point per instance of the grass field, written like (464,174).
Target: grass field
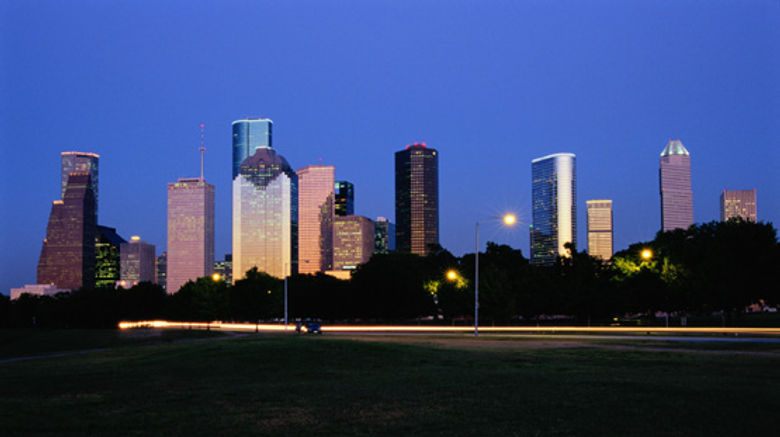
(394,386)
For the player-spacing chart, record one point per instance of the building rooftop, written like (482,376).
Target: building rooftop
(675,147)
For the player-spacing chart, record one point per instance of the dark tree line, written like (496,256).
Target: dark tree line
(716,266)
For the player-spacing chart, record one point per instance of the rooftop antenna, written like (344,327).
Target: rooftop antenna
(202,150)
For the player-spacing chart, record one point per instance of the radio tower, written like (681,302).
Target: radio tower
(202,150)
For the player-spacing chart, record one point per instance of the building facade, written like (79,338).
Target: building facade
(137,260)
(738,204)
(190,232)
(345,198)
(315,218)
(67,257)
(416,198)
(161,270)
(108,245)
(674,176)
(80,162)
(265,216)
(384,235)
(225,268)
(554,207)
(600,230)
(353,241)
(248,135)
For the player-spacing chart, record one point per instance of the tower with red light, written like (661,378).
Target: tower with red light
(416,198)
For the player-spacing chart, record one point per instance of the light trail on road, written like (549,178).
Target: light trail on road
(398,329)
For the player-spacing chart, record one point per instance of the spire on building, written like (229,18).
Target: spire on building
(202,149)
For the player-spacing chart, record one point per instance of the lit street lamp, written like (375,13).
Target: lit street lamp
(646,254)
(509,220)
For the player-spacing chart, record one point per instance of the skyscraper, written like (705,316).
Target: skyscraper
(384,235)
(249,134)
(265,215)
(108,245)
(315,218)
(554,206)
(738,203)
(353,241)
(600,228)
(68,254)
(190,231)
(345,198)
(136,262)
(675,181)
(80,162)
(161,270)
(416,198)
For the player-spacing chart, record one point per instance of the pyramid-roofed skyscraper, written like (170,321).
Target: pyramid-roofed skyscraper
(674,177)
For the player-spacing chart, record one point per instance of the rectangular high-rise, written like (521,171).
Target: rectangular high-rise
(600,228)
(554,207)
(738,203)
(249,134)
(108,245)
(190,232)
(353,241)
(315,218)
(68,254)
(416,198)
(345,198)
(384,235)
(136,262)
(674,176)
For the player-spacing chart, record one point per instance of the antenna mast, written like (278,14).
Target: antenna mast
(202,150)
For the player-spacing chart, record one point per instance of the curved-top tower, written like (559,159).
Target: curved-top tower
(554,206)
(674,177)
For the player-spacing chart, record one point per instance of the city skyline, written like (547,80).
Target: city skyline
(80,77)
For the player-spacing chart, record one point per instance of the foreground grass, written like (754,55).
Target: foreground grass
(31,342)
(269,385)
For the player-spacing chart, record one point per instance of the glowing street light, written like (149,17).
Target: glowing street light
(216,277)
(452,275)
(509,220)
(646,254)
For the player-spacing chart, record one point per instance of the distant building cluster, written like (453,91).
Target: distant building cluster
(303,221)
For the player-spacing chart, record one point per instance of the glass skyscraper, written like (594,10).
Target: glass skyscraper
(80,162)
(190,232)
(107,256)
(345,198)
(674,176)
(600,228)
(384,235)
(265,215)
(248,135)
(416,198)
(137,262)
(68,254)
(554,207)
(315,218)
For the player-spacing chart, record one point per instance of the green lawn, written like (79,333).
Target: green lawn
(328,385)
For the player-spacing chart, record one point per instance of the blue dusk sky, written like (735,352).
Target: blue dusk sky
(490,84)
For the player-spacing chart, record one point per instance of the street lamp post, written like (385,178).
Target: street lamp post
(509,220)
(285,296)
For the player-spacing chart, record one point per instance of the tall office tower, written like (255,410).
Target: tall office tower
(345,198)
(81,162)
(68,253)
(161,270)
(107,256)
(600,228)
(249,134)
(315,218)
(265,215)
(190,231)
(416,198)
(384,235)
(738,203)
(554,207)
(136,258)
(675,181)
(353,241)
(225,268)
